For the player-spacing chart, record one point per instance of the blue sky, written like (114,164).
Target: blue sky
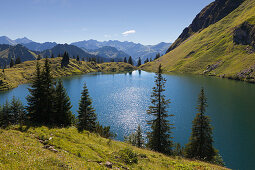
(65,21)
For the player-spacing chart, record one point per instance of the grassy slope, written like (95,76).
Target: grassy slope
(212,45)
(73,150)
(22,73)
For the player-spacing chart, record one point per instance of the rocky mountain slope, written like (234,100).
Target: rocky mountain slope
(208,16)
(135,50)
(8,52)
(224,49)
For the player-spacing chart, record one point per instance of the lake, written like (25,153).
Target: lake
(121,101)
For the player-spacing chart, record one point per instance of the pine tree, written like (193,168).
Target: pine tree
(52,55)
(86,113)
(78,58)
(200,145)
(18,60)
(48,94)
(39,57)
(11,63)
(63,105)
(130,60)
(139,138)
(34,100)
(157,56)
(125,60)
(159,137)
(5,116)
(17,112)
(139,62)
(65,60)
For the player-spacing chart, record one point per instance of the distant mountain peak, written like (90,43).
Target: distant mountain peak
(23,40)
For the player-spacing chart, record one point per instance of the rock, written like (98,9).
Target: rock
(208,16)
(108,164)
(245,35)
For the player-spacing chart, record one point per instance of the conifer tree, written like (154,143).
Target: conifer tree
(39,57)
(11,63)
(159,137)
(48,94)
(18,60)
(157,56)
(136,138)
(139,62)
(86,113)
(125,60)
(63,116)
(52,55)
(78,58)
(130,60)
(17,112)
(200,145)
(5,116)
(65,60)
(34,100)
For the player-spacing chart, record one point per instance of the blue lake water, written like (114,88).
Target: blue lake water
(121,101)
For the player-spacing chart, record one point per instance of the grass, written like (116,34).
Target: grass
(65,148)
(213,45)
(22,73)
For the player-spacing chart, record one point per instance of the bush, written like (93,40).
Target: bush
(128,156)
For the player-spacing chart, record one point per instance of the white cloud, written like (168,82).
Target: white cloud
(126,33)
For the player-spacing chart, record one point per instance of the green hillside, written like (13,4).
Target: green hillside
(212,51)
(22,73)
(43,148)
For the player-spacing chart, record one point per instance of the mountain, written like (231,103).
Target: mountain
(72,51)
(40,46)
(208,16)
(225,48)
(108,52)
(135,50)
(6,40)
(8,52)
(24,40)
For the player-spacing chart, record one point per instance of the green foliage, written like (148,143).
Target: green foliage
(34,102)
(86,113)
(104,131)
(200,145)
(11,63)
(135,139)
(65,60)
(12,113)
(139,62)
(178,150)
(159,137)
(125,60)
(128,156)
(130,61)
(18,60)
(63,114)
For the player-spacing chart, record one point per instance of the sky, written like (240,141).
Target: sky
(64,21)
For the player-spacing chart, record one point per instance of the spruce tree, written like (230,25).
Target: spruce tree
(17,112)
(157,56)
(5,116)
(48,94)
(130,60)
(65,60)
(11,63)
(139,137)
(139,62)
(63,116)
(159,137)
(86,113)
(34,100)
(125,60)
(39,57)
(52,55)
(200,145)
(18,60)
(78,58)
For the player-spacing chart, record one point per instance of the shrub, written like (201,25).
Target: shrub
(128,156)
